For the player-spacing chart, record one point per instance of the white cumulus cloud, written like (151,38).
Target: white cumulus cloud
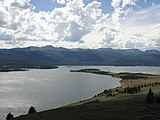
(80,25)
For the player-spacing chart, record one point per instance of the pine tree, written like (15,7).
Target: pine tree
(150,97)
(9,116)
(32,110)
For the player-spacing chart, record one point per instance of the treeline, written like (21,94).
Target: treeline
(136,89)
(30,111)
(130,90)
(150,99)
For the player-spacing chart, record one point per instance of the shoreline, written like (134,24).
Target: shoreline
(127,79)
(124,83)
(102,101)
(12,69)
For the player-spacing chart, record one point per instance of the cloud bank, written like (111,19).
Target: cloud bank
(80,25)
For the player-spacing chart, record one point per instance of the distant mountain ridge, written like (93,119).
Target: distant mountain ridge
(52,56)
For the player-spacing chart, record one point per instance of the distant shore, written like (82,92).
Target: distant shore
(12,69)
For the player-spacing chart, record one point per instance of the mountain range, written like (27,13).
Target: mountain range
(53,56)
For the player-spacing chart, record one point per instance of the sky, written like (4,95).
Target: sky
(117,24)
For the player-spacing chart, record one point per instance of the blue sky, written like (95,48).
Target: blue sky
(49,5)
(80,23)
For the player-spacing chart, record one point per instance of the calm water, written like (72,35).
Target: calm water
(47,89)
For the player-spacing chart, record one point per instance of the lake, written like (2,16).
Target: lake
(48,89)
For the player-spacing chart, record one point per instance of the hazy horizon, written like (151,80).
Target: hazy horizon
(80,48)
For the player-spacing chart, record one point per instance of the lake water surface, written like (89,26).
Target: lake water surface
(47,89)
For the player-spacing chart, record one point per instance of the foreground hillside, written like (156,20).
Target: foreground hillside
(51,56)
(121,107)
